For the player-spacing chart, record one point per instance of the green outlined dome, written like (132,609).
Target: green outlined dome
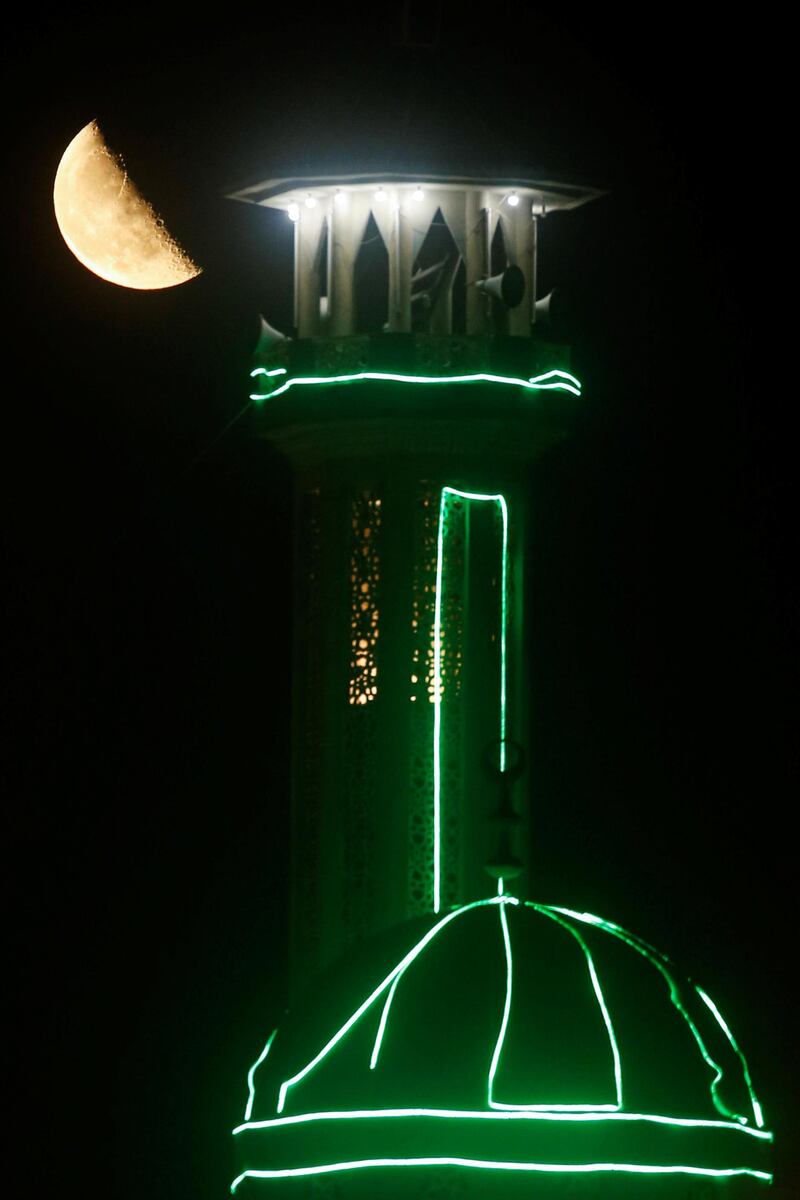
(504,1036)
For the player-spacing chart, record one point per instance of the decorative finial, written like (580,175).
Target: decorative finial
(504,761)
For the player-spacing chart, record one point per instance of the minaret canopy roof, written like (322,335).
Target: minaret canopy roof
(546,195)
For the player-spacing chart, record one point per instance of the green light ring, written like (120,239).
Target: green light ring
(251,1087)
(478,497)
(758,1113)
(380,989)
(559,380)
(449,1114)
(662,964)
(485,1164)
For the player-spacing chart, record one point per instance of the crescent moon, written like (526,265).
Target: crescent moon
(107,223)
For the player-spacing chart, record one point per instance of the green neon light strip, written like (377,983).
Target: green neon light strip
(478,497)
(437,709)
(500,898)
(600,1112)
(269,374)
(507,1012)
(373,1062)
(554,380)
(449,1114)
(660,962)
(251,1087)
(757,1110)
(483,1164)
(606,1015)
(498,1049)
(382,987)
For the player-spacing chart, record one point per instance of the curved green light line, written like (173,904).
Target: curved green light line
(479,497)
(499,898)
(558,380)
(496,1104)
(501,1037)
(504,1025)
(269,374)
(757,1110)
(366,1114)
(659,961)
(387,982)
(376,1049)
(490,1165)
(598,991)
(251,1087)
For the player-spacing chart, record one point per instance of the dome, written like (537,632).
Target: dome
(504,1039)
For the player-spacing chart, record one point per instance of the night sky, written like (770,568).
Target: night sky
(147,616)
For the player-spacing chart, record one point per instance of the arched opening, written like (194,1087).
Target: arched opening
(371,281)
(438,282)
(499,260)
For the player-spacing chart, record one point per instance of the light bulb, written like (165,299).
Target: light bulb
(418,194)
(339,197)
(380,194)
(513,199)
(294,212)
(311,201)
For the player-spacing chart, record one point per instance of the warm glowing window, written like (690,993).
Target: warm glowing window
(365,520)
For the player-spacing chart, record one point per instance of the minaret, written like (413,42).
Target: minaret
(393,433)
(417,387)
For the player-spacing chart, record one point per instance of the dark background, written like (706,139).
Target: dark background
(147,610)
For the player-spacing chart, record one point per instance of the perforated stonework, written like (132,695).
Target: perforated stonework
(365,521)
(360,799)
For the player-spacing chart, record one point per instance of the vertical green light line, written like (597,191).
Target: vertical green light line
(494,498)
(503,630)
(437,711)
(501,1037)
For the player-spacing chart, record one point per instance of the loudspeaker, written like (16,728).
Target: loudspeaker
(507,287)
(267,337)
(545,313)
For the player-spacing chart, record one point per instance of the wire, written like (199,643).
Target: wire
(199,457)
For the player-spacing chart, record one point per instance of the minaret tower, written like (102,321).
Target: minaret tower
(447,1030)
